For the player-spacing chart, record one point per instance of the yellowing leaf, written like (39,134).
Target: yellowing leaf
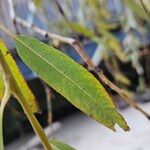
(71,80)
(2,88)
(27,93)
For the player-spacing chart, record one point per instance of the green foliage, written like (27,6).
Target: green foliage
(2,87)
(15,85)
(137,9)
(60,146)
(97,9)
(107,39)
(66,76)
(96,15)
(71,80)
(17,76)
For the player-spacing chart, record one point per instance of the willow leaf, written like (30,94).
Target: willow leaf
(70,79)
(17,76)
(56,145)
(98,9)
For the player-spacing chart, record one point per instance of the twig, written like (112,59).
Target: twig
(80,50)
(144,7)
(5,98)
(49,103)
(122,93)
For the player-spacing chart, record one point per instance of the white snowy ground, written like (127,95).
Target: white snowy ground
(84,133)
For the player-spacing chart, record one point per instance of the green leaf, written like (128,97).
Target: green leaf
(19,79)
(71,80)
(109,41)
(60,146)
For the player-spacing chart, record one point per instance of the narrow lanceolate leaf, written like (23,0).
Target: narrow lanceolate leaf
(17,76)
(60,146)
(70,79)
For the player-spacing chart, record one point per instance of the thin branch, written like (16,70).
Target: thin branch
(7,94)
(49,102)
(35,124)
(122,93)
(145,8)
(42,32)
(80,50)
(73,42)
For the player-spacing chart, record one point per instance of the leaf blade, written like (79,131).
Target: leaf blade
(71,80)
(16,74)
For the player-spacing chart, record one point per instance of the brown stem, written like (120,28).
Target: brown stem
(122,93)
(49,102)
